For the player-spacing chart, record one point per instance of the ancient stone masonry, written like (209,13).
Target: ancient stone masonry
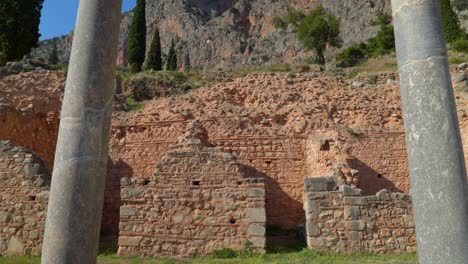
(24,191)
(199,200)
(345,221)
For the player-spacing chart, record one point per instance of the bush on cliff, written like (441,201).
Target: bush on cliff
(319,29)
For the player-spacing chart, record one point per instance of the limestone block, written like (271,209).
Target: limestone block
(127,211)
(349,191)
(257,192)
(256,230)
(42,197)
(312,229)
(5,217)
(130,241)
(15,246)
(131,193)
(351,212)
(258,242)
(311,209)
(258,215)
(320,184)
(356,225)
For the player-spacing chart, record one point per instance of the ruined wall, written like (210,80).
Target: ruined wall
(199,200)
(379,157)
(284,161)
(344,221)
(37,132)
(24,191)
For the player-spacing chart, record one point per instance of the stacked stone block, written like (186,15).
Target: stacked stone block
(24,191)
(346,222)
(198,201)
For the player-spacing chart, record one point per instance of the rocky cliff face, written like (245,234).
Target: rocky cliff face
(228,34)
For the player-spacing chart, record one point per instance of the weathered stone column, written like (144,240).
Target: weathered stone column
(77,190)
(435,153)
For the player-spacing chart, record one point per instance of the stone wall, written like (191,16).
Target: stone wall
(346,222)
(24,191)
(284,161)
(198,201)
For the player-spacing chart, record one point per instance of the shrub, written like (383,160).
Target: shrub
(279,23)
(460,45)
(319,29)
(450,23)
(295,17)
(353,132)
(352,55)
(53,55)
(384,41)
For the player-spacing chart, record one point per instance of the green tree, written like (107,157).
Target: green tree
(450,23)
(53,55)
(171,64)
(19,28)
(137,37)
(384,41)
(153,60)
(319,29)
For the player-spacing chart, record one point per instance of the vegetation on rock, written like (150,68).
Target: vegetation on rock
(154,60)
(383,43)
(171,64)
(137,37)
(450,22)
(53,55)
(19,28)
(319,29)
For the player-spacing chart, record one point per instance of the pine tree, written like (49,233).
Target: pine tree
(137,37)
(171,64)
(154,61)
(53,55)
(19,28)
(450,23)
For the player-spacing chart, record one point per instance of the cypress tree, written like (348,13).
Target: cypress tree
(19,28)
(137,37)
(154,61)
(171,64)
(53,56)
(450,23)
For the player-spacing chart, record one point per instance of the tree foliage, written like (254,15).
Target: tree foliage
(171,64)
(450,22)
(382,43)
(137,37)
(153,60)
(319,29)
(53,55)
(19,28)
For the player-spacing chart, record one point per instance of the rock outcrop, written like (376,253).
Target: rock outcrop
(230,34)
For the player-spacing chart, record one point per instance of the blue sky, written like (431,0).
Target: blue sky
(59,16)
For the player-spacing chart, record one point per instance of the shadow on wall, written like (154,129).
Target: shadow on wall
(285,215)
(112,201)
(371,181)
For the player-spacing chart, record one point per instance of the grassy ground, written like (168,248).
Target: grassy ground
(302,257)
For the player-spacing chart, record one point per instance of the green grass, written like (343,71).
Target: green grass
(133,105)
(293,258)
(302,257)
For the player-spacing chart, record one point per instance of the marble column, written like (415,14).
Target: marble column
(435,152)
(77,190)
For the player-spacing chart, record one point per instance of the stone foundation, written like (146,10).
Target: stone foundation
(24,192)
(346,222)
